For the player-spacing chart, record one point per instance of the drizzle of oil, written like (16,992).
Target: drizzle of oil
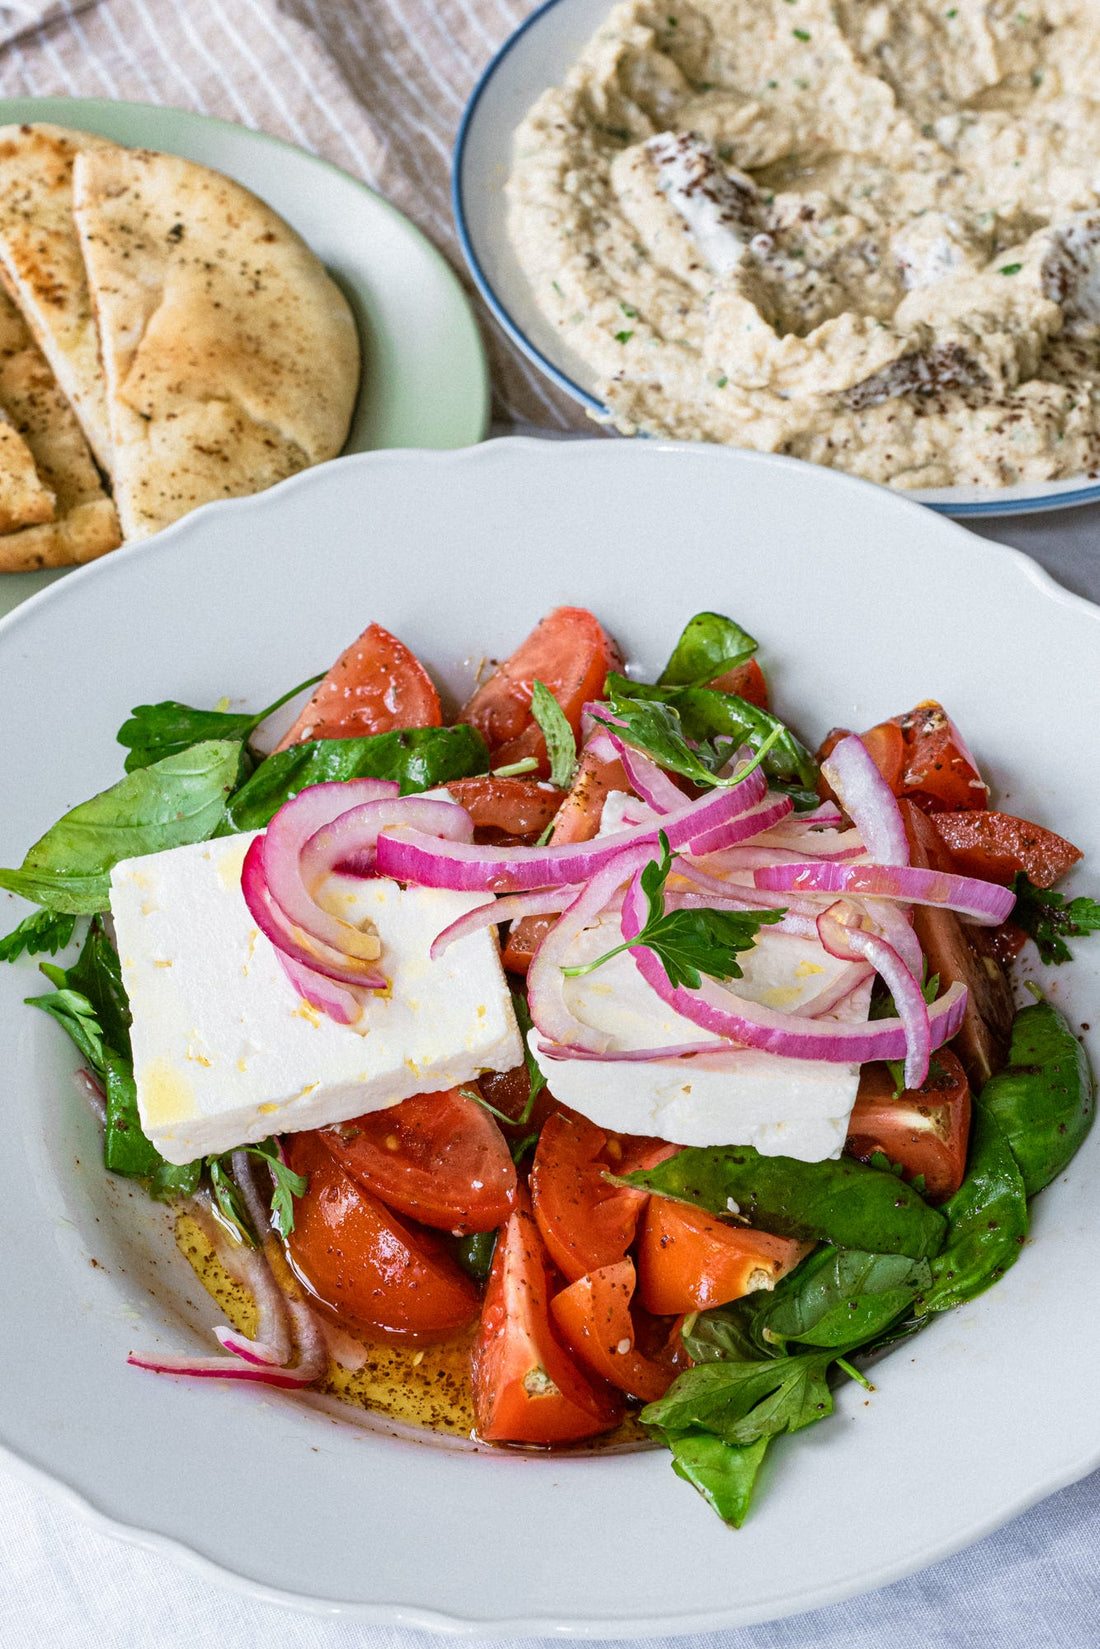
(423,1385)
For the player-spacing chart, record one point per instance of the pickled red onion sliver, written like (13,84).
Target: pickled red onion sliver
(844,938)
(652,784)
(325,994)
(293,944)
(511,908)
(984,902)
(868,801)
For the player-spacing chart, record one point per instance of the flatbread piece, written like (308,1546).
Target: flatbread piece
(42,267)
(81,523)
(231,357)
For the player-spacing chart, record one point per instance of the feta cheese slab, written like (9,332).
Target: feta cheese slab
(225,1050)
(783,1107)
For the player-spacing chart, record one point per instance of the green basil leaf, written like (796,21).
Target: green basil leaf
(76,1016)
(561,746)
(743,1402)
(98,975)
(987,1220)
(475,1254)
(1043,1098)
(418,758)
(126,1150)
(41,931)
(176,801)
(709,646)
(841,1297)
(843,1202)
(724,1474)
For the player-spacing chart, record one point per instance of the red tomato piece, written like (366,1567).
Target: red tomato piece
(570,653)
(506,810)
(995,846)
(365,1264)
(593,1317)
(527,1389)
(940,774)
(577,820)
(375,686)
(440,1158)
(925,1130)
(689,1260)
(509,1092)
(747,681)
(585,1222)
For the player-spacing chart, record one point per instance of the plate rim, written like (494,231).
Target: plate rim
(933,498)
(1018,565)
(21,110)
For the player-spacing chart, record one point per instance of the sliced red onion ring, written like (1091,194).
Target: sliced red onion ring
(652,785)
(354,834)
(546,982)
(634,1056)
(511,908)
(984,902)
(728,815)
(287,834)
(839,931)
(252,1351)
(868,801)
(324,994)
(895,923)
(838,991)
(749,1024)
(225,1368)
(289,940)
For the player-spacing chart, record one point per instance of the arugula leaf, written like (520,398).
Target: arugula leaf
(561,746)
(842,1202)
(688,943)
(418,758)
(76,1016)
(42,930)
(710,645)
(1043,1098)
(98,974)
(175,801)
(724,1473)
(165,729)
(1045,916)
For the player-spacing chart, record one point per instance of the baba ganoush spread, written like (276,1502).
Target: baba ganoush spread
(865,234)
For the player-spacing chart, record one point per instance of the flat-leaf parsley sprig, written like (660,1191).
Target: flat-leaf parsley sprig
(687,943)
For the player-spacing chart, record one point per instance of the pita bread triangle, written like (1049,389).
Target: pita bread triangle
(230,356)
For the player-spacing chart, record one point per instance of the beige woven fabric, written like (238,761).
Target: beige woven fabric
(376,86)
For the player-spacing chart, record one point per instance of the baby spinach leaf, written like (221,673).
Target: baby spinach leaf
(649,725)
(724,1473)
(42,930)
(987,1220)
(709,646)
(475,1253)
(841,1202)
(418,758)
(1044,915)
(841,1297)
(165,729)
(561,746)
(1043,1098)
(77,1018)
(743,1402)
(126,1150)
(175,801)
(726,1333)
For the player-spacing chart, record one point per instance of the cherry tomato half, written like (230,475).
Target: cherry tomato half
(925,1130)
(689,1260)
(440,1158)
(570,653)
(364,1263)
(527,1389)
(375,686)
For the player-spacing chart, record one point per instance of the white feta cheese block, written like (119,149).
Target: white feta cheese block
(783,1107)
(227,1052)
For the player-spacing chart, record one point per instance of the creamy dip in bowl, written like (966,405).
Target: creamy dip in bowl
(865,235)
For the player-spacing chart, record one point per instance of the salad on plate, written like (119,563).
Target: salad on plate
(603,1066)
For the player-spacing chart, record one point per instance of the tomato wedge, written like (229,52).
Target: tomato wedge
(506,810)
(364,1263)
(921,755)
(925,1130)
(593,1317)
(997,845)
(440,1158)
(570,653)
(375,686)
(577,820)
(585,1222)
(510,1092)
(527,1389)
(747,681)
(688,1260)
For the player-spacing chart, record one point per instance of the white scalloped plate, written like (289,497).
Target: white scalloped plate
(864,604)
(538,54)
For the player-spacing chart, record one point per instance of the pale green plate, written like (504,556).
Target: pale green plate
(425,382)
